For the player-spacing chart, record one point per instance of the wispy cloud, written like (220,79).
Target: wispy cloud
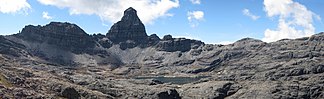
(295,20)
(194,17)
(14,6)
(247,12)
(46,16)
(112,10)
(195,1)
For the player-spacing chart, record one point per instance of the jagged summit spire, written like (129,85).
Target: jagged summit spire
(129,27)
(130,16)
(130,10)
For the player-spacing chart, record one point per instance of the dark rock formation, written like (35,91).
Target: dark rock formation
(70,93)
(170,94)
(64,35)
(129,30)
(103,40)
(155,82)
(170,44)
(317,37)
(153,40)
(11,48)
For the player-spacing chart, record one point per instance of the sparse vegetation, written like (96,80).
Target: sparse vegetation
(4,81)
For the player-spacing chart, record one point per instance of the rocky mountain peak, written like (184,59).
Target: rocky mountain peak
(64,27)
(130,16)
(129,28)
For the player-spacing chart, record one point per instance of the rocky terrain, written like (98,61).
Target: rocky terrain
(60,60)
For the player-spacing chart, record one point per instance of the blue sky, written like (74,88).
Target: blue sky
(212,21)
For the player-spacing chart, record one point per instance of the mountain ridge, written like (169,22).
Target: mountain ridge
(60,58)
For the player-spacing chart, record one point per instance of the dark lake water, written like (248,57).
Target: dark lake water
(175,80)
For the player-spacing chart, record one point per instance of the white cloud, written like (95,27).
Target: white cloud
(198,15)
(194,17)
(46,16)
(195,1)
(295,20)
(249,14)
(112,10)
(14,6)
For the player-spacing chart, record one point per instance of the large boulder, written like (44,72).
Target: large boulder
(70,93)
(169,94)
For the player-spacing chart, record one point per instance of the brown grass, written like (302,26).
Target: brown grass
(4,81)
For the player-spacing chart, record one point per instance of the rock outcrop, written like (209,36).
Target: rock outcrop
(11,48)
(70,93)
(170,44)
(170,94)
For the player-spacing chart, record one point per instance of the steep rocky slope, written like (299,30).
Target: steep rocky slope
(60,60)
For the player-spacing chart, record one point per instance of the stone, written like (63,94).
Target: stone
(155,82)
(70,93)
(170,94)
(318,69)
(170,44)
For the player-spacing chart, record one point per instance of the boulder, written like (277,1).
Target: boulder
(70,93)
(170,94)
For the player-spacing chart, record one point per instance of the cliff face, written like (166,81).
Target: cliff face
(60,58)
(129,31)
(170,44)
(63,35)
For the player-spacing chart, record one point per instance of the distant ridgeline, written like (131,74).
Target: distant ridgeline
(129,32)
(57,41)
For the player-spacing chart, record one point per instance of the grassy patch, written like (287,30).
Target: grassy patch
(4,81)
